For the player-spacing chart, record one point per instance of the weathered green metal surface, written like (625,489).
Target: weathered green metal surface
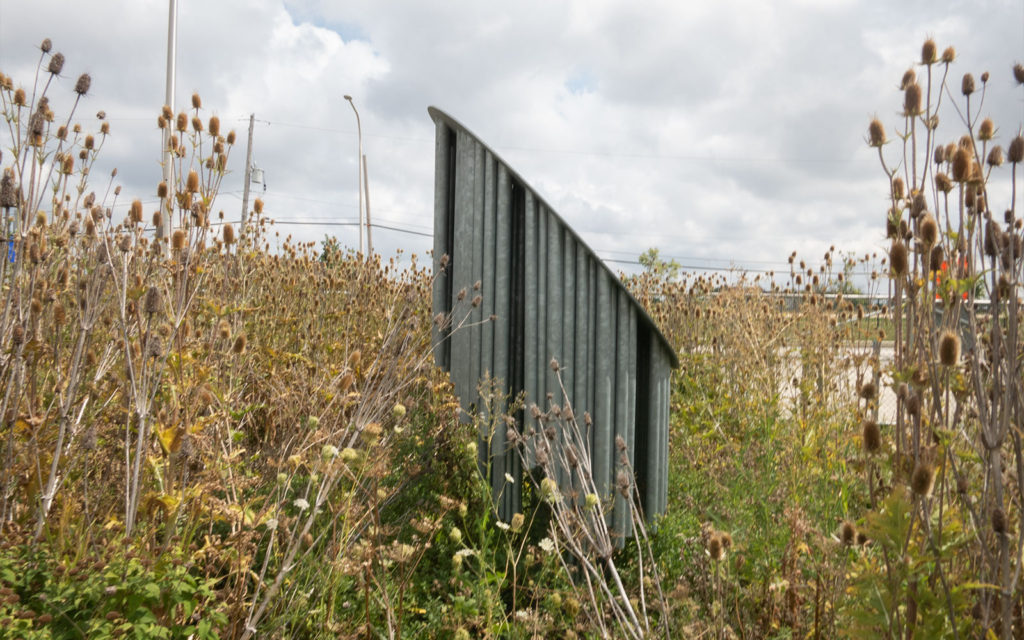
(544,295)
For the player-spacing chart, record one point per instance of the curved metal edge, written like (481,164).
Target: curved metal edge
(437,115)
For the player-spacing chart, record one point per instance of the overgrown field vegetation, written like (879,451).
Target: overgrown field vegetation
(212,436)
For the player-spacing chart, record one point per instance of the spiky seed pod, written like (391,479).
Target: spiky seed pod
(1004,286)
(872,436)
(939,156)
(19,97)
(929,52)
(949,348)
(1016,151)
(987,129)
(229,235)
(909,78)
(8,190)
(898,258)
(999,521)
(161,190)
(181,123)
(161,122)
(929,230)
(1018,73)
(876,133)
(918,205)
(83,84)
(922,480)
(995,156)
(936,258)
(56,64)
(961,165)
(257,206)
(214,126)
(192,183)
(726,539)
(154,347)
(948,55)
(891,229)
(178,240)
(153,302)
(867,391)
(898,188)
(967,84)
(197,124)
(943,183)
(224,329)
(239,345)
(912,100)
(105,128)
(135,212)
(847,533)
(715,550)
(993,238)
(231,137)
(196,102)
(157,220)
(46,45)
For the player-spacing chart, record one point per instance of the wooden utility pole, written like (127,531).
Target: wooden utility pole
(248,173)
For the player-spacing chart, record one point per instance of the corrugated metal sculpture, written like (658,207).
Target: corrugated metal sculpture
(544,295)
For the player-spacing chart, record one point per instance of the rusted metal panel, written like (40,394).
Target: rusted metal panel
(544,295)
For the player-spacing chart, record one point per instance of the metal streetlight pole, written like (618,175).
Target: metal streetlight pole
(172,36)
(359,163)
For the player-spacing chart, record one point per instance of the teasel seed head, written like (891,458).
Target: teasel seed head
(231,137)
(229,235)
(1016,151)
(847,533)
(912,100)
(872,436)
(8,190)
(987,129)
(995,156)
(1018,73)
(967,84)
(943,183)
(922,480)
(83,84)
(214,126)
(929,52)
(948,55)
(898,188)
(868,390)
(999,521)
(19,97)
(56,64)
(939,155)
(726,539)
(192,183)
(161,190)
(178,239)
(135,212)
(961,165)
(181,123)
(715,550)
(876,133)
(197,124)
(929,230)
(898,258)
(157,220)
(239,345)
(913,404)
(909,78)
(46,45)
(936,258)
(257,206)
(949,348)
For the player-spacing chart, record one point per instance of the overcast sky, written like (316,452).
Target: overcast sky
(724,133)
